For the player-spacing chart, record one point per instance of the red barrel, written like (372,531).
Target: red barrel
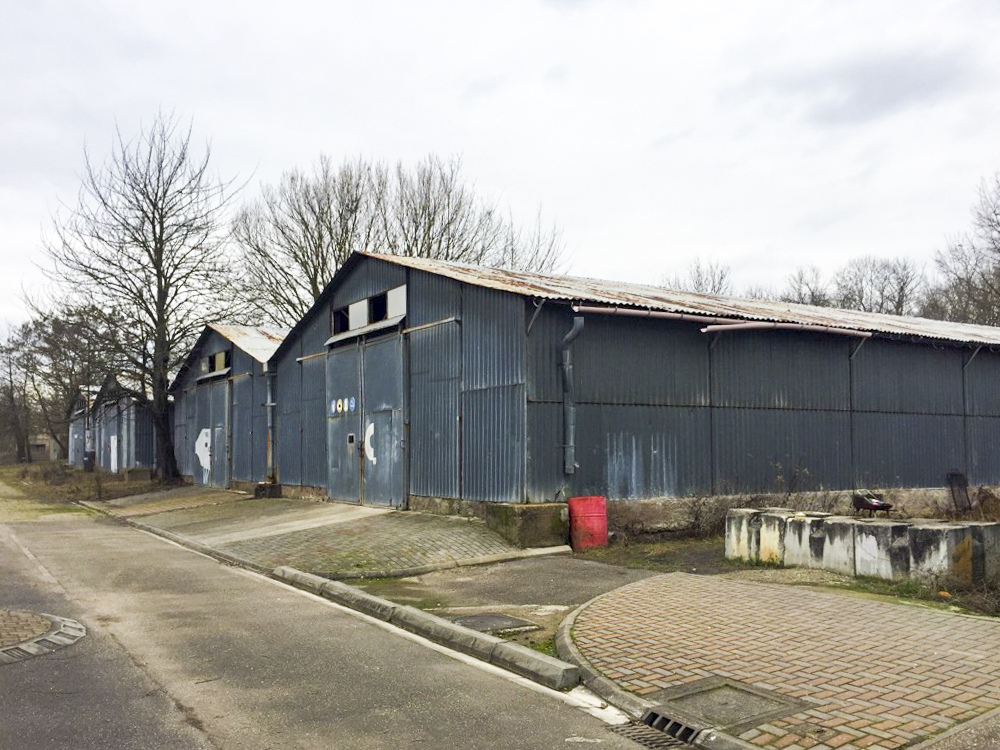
(588,522)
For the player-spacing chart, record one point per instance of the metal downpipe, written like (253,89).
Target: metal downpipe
(569,407)
(269,406)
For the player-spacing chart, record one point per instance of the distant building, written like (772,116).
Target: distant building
(122,430)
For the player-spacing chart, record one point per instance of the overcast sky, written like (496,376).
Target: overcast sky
(762,135)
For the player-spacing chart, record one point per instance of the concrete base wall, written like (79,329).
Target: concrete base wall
(526,525)
(922,549)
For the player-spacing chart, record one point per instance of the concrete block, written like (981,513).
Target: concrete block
(349,596)
(743,534)
(306,581)
(772,535)
(448,633)
(882,549)
(539,667)
(941,551)
(804,540)
(985,551)
(838,544)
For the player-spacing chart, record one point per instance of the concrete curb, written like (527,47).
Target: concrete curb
(631,704)
(597,683)
(536,666)
(449,564)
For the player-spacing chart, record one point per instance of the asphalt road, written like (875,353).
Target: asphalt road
(183,652)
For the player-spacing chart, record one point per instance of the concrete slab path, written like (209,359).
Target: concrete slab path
(873,673)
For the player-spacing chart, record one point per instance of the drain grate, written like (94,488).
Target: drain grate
(647,737)
(682,729)
(64,632)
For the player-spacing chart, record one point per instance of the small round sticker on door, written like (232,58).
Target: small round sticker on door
(350,404)
(340,405)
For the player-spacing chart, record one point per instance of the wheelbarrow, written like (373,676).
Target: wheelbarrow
(870,501)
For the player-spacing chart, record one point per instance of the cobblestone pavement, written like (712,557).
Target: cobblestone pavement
(879,674)
(166,500)
(17,627)
(393,541)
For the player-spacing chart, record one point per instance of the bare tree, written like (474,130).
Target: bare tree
(879,285)
(805,286)
(295,237)
(969,291)
(707,277)
(144,246)
(302,230)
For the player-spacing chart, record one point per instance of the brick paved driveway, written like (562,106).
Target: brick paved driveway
(17,627)
(878,674)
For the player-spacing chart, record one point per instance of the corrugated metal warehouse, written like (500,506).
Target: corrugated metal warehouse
(122,430)
(413,379)
(219,411)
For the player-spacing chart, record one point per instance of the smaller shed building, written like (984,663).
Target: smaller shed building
(220,406)
(122,430)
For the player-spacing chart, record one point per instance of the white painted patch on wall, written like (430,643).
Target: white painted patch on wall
(203,451)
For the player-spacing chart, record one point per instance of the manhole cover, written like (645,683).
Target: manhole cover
(723,703)
(494,622)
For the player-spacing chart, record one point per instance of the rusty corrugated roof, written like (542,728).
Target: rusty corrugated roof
(621,294)
(260,343)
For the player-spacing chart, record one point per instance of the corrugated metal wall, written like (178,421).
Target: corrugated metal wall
(435,387)
(123,436)
(493,400)
(77,442)
(787,410)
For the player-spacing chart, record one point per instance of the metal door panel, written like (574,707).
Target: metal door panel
(382,394)
(344,437)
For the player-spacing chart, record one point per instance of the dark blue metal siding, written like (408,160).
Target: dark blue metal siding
(907,378)
(623,360)
(144,445)
(367,279)
(314,406)
(493,341)
(258,450)
(435,385)
(780,450)
(781,370)
(546,481)
(984,457)
(288,391)
(241,430)
(493,444)
(907,450)
(543,350)
(642,451)
(432,298)
(313,337)
(982,377)
(185,452)
(77,442)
